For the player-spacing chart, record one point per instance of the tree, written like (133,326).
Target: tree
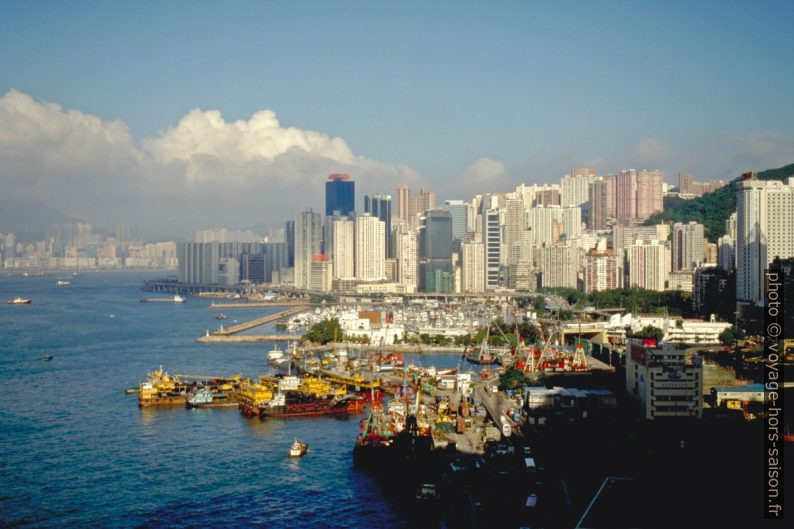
(325,331)
(649,332)
(731,335)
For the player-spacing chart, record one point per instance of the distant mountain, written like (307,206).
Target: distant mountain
(29,220)
(713,209)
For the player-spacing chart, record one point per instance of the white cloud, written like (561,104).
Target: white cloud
(484,175)
(202,170)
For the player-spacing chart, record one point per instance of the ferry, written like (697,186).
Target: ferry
(19,301)
(276,356)
(298,449)
(176,299)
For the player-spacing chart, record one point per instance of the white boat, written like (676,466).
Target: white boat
(63,282)
(19,301)
(298,449)
(176,299)
(276,356)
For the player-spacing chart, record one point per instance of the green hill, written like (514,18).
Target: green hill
(713,209)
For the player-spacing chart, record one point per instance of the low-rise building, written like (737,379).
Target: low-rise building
(661,381)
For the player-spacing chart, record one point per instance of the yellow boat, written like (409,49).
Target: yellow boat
(161,389)
(253,396)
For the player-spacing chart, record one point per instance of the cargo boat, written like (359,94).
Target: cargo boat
(294,404)
(176,299)
(160,389)
(205,398)
(253,397)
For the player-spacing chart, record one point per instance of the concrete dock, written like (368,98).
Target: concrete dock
(250,324)
(249,338)
(257,304)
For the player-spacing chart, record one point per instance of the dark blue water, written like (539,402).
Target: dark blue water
(76,452)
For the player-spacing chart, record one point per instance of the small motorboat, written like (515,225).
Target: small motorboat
(220,316)
(19,301)
(47,357)
(298,449)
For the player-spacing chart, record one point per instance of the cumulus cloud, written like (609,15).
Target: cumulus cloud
(484,175)
(203,170)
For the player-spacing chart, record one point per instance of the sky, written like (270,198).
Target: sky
(177,116)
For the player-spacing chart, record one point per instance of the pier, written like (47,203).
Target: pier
(250,324)
(249,338)
(258,304)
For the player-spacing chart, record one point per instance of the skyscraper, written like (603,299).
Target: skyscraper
(370,251)
(626,195)
(472,267)
(687,246)
(342,248)
(649,193)
(601,202)
(289,238)
(409,207)
(406,243)
(459,211)
(380,206)
(648,265)
(575,186)
(308,236)
(340,194)
(492,243)
(435,251)
(765,230)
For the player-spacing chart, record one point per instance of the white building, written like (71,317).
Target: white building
(370,248)
(342,248)
(648,265)
(662,381)
(764,230)
(472,267)
(406,247)
(560,265)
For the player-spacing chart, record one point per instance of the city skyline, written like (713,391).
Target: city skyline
(233,131)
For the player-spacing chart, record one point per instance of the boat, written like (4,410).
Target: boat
(481,355)
(296,404)
(253,397)
(161,389)
(47,357)
(276,356)
(176,299)
(298,449)
(20,301)
(220,316)
(63,282)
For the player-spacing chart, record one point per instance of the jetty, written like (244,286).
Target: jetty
(258,304)
(249,338)
(250,324)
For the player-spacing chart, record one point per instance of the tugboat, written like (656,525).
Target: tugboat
(298,449)
(19,301)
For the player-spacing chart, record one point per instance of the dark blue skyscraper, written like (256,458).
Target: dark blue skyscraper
(380,206)
(340,194)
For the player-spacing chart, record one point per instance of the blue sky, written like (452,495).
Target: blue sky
(434,86)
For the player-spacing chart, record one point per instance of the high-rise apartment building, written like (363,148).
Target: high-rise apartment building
(289,238)
(649,193)
(601,206)
(575,187)
(340,195)
(308,237)
(406,251)
(380,206)
(370,248)
(765,230)
(472,267)
(688,244)
(410,207)
(603,270)
(648,265)
(342,249)
(513,226)
(626,195)
(560,264)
